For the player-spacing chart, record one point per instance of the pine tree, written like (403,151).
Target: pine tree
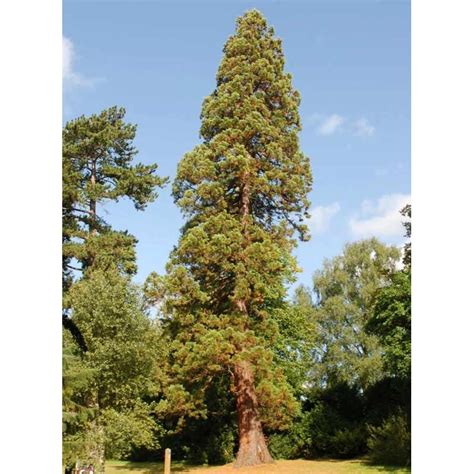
(244,193)
(97,168)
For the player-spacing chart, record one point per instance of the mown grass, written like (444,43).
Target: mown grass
(358,466)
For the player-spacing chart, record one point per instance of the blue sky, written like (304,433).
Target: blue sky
(350,60)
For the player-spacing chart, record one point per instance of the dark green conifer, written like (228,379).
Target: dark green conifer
(97,168)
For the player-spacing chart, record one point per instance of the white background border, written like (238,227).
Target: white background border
(443,235)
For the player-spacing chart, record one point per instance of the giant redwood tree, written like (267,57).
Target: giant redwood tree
(243,191)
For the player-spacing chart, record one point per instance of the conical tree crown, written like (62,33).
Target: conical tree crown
(250,126)
(244,189)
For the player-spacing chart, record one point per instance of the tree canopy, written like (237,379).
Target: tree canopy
(244,193)
(346,289)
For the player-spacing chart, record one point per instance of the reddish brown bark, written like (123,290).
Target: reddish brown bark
(252,444)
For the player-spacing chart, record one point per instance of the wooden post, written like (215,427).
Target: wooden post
(167,461)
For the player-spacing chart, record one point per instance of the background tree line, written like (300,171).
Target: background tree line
(230,367)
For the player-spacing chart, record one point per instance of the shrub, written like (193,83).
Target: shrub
(335,423)
(220,447)
(348,442)
(390,443)
(293,443)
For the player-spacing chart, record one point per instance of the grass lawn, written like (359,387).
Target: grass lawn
(280,467)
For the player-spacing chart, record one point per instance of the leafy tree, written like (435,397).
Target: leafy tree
(77,415)
(124,353)
(391,318)
(391,322)
(346,289)
(243,191)
(296,339)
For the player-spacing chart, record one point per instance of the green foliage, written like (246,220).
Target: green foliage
(130,429)
(210,438)
(103,311)
(293,443)
(123,342)
(391,322)
(391,318)
(211,444)
(332,377)
(332,425)
(335,421)
(294,342)
(123,352)
(77,415)
(346,289)
(102,146)
(387,397)
(391,443)
(406,212)
(243,191)
(98,152)
(250,126)
(221,447)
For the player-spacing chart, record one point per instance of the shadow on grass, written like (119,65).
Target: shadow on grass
(367,463)
(383,468)
(149,468)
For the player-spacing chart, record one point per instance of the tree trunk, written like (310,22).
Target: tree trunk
(96,452)
(93,203)
(252,445)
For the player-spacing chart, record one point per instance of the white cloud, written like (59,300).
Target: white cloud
(362,128)
(331,124)
(381,218)
(70,76)
(68,52)
(321,217)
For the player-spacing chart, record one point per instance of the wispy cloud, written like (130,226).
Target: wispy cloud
(380,218)
(331,124)
(321,217)
(362,128)
(70,76)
